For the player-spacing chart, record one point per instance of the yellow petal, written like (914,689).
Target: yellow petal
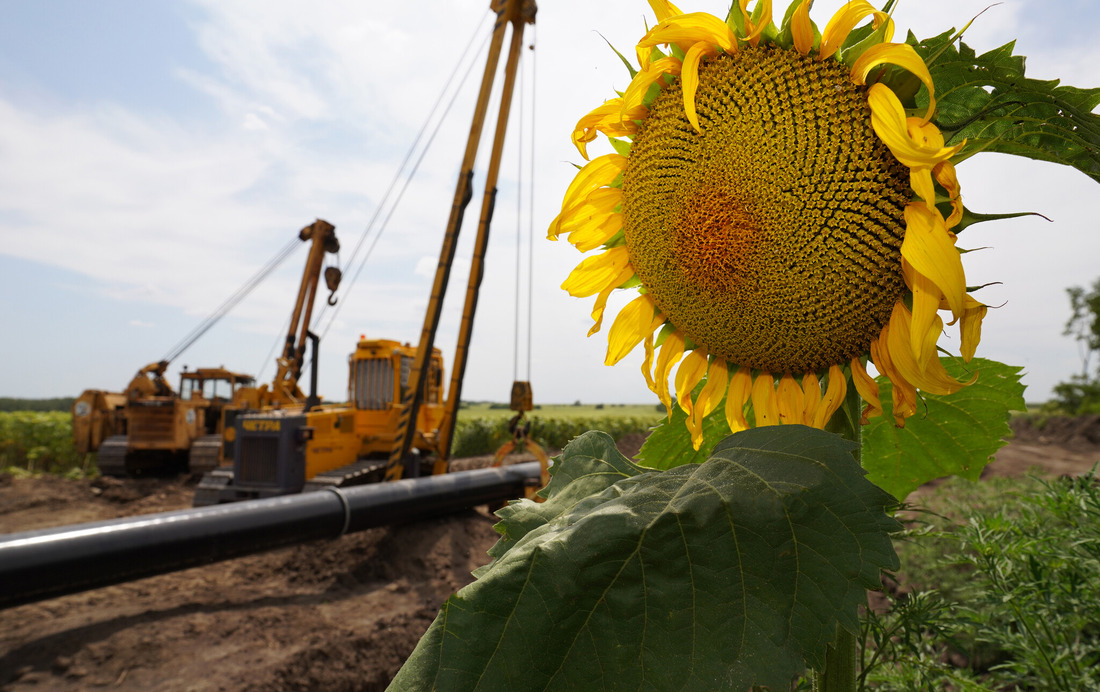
(811,397)
(600,172)
(842,23)
(689,78)
(920,179)
(834,397)
(736,397)
(926,301)
(930,250)
(647,362)
(611,119)
(763,400)
(664,9)
(945,176)
(709,397)
(903,393)
(594,221)
(672,350)
(636,90)
(926,133)
(802,29)
(585,131)
(688,375)
(892,127)
(970,328)
(868,391)
(928,376)
(598,309)
(597,272)
(595,231)
(638,318)
(905,402)
(753,30)
(685,30)
(789,400)
(902,55)
(691,28)
(601,300)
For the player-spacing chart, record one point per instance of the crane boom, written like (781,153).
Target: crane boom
(322,235)
(517,13)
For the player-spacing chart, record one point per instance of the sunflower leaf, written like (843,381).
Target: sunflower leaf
(590,471)
(955,435)
(710,576)
(669,444)
(969,218)
(629,65)
(986,100)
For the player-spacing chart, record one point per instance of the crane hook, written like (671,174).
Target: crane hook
(332,280)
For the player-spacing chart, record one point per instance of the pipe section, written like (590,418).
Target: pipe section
(47,563)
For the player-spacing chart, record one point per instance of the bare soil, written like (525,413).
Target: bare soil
(332,615)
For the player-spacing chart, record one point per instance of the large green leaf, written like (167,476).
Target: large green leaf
(669,444)
(952,435)
(711,576)
(590,471)
(986,100)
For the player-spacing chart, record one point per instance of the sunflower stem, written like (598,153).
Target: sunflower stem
(841,670)
(841,665)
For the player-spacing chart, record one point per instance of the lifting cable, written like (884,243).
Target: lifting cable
(232,301)
(408,156)
(530,142)
(346,285)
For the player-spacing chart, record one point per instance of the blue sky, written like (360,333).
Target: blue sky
(154,155)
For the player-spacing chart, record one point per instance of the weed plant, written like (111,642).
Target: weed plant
(1007,592)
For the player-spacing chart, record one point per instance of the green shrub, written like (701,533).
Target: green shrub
(39,442)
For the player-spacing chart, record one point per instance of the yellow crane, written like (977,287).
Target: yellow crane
(395,412)
(152,428)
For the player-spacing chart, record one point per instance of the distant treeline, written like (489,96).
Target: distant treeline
(64,403)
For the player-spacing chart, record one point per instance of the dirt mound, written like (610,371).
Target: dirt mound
(1081,432)
(335,615)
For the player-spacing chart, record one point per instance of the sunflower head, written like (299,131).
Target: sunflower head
(784,211)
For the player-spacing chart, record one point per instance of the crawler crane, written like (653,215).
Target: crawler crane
(151,428)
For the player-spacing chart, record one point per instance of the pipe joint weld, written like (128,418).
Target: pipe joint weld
(347,507)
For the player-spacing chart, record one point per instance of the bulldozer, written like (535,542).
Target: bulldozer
(395,423)
(151,428)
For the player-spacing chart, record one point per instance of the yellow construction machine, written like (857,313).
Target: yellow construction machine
(396,414)
(152,428)
(284,390)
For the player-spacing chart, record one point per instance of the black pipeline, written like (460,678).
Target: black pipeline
(36,565)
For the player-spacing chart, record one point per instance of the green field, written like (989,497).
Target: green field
(41,441)
(482,409)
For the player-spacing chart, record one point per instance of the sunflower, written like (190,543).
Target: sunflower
(783,209)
